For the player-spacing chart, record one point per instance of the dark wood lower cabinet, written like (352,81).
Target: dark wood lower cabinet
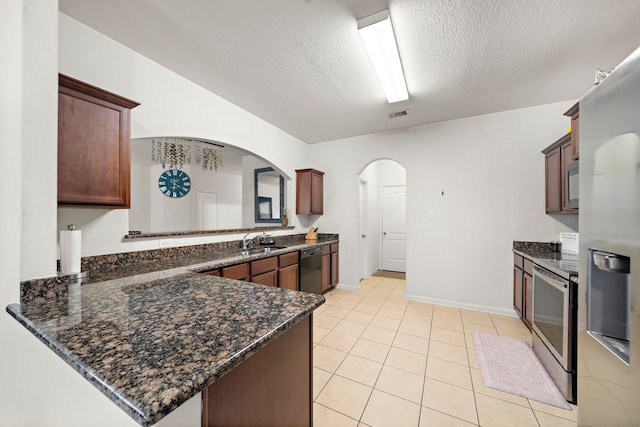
(237,272)
(288,271)
(325,274)
(330,266)
(523,288)
(518,290)
(334,265)
(270,278)
(288,277)
(273,387)
(265,271)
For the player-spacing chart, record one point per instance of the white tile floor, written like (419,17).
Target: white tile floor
(381,360)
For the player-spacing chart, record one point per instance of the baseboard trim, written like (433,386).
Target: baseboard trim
(457,304)
(348,287)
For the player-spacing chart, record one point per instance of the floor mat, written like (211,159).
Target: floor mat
(510,365)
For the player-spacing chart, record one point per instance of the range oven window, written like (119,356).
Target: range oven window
(552,321)
(549,312)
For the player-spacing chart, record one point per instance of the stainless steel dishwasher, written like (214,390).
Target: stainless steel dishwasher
(311,270)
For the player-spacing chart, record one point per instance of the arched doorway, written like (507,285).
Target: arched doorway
(382,217)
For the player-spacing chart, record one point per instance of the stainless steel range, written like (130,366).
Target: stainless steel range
(554,338)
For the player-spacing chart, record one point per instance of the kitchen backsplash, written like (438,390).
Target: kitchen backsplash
(123,259)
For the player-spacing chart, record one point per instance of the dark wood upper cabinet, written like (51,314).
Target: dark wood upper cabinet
(93,146)
(557,157)
(309,192)
(574,113)
(552,180)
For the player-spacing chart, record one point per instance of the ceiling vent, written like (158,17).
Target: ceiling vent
(398,114)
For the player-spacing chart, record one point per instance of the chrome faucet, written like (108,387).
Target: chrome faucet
(246,243)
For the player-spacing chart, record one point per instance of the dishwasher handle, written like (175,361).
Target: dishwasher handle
(310,252)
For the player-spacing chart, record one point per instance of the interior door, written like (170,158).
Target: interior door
(394,228)
(362,230)
(207,210)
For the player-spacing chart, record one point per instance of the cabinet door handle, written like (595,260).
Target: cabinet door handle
(364,236)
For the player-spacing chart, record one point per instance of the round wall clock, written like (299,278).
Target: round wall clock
(174,183)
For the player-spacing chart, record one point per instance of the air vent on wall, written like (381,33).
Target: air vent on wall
(398,114)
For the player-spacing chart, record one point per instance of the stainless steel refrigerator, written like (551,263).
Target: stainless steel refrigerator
(609,268)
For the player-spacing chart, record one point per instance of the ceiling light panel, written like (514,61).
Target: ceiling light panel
(377,34)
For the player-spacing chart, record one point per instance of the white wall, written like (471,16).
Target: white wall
(170,105)
(492,174)
(37,388)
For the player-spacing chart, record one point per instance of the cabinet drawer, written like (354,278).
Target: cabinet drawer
(528,267)
(288,259)
(238,272)
(215,272)
(263,265)
(518,261)
(326,249)
(334,247)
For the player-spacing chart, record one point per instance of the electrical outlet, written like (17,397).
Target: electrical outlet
(165,243)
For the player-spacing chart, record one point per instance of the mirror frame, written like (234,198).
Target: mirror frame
(256,172)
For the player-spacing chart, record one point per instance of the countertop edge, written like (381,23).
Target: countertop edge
(124,404)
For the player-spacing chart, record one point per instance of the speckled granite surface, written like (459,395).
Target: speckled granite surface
(535,249)
(151,335)
(543,254)
(183,254)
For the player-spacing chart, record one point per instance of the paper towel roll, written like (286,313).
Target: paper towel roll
(70,241)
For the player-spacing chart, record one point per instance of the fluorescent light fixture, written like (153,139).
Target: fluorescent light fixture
(377,34)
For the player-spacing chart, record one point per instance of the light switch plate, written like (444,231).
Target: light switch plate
(431,214)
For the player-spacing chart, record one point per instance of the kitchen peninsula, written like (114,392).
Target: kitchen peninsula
(151,340)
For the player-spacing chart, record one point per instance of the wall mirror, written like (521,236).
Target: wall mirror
(269,195)
(220,199)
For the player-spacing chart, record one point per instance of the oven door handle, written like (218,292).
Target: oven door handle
(560,284)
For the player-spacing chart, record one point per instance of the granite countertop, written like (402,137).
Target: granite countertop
(542,253)
(533,250)
(192,263)
(152,336)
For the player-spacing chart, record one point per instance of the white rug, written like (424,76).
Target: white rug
(510,365)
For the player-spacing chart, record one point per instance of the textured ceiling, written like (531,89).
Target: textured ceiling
(300,64)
